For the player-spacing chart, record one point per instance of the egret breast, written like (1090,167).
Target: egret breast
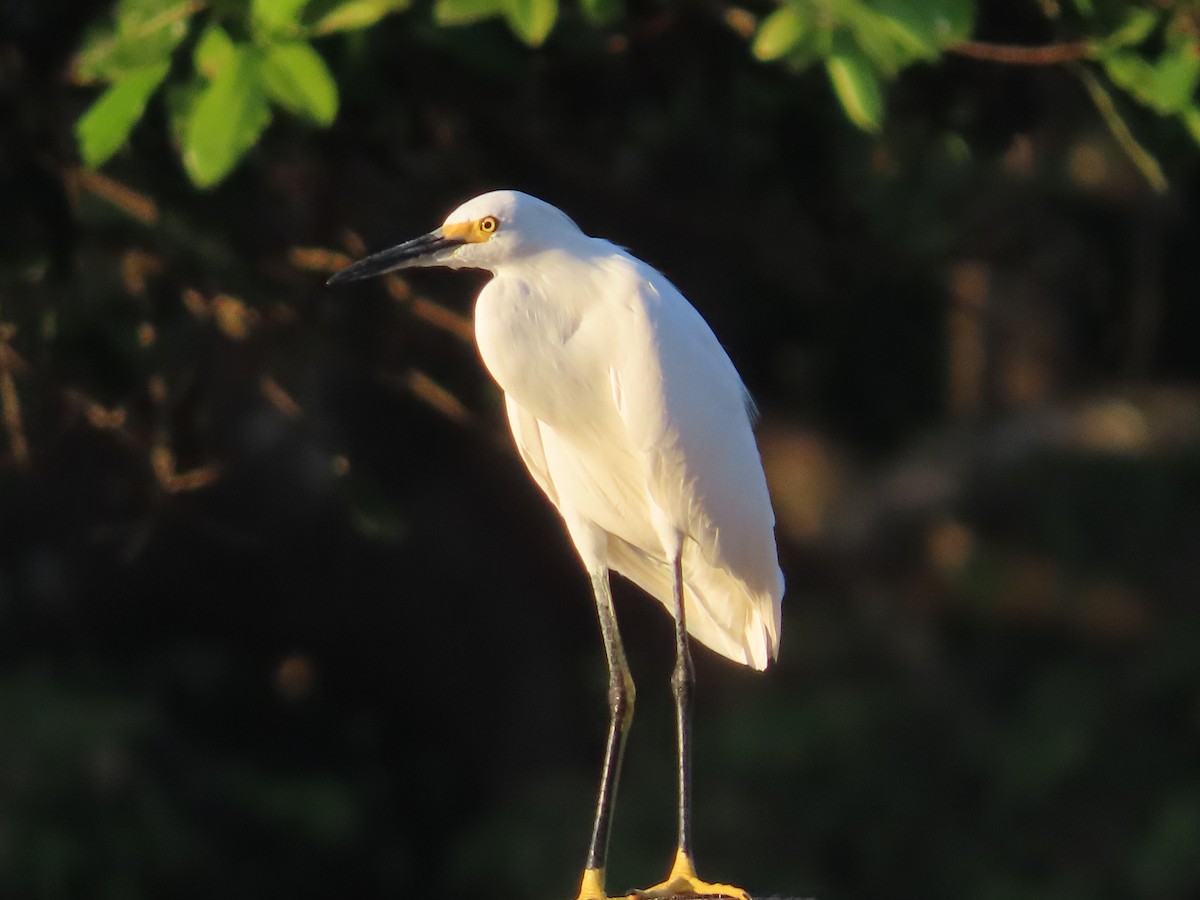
(553,357)
(547,353)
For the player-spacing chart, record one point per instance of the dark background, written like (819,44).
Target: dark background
(281,614)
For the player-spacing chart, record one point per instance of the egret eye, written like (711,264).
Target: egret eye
(488,224)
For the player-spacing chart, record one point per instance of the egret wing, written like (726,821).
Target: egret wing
(526,431)
(629,412)
(685,409)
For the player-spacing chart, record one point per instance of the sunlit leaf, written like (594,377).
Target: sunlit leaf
(355,14)
(227,119)
(277,16)
(1131,72)
(297,78)
(107,123)
(1191,120)
(143,33)
(155,20)
(213,52)
(779,33)
(857,87)
(1138,24)
(1166,86)
(180,100)
(464,12)
(531,20)
(1175,77)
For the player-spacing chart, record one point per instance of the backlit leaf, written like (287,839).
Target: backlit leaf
(297,78)
(857,87)
(352,15)
(1175,77)
(1138,24)
(107,123)
(1191,120)
(779,33)
(180,100)
(213,52)
(277,16)
(531,20)
(227,119)
(1129,71)
(1167,86)
(142,33)
(465,12)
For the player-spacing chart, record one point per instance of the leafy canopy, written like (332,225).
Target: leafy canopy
(252,58)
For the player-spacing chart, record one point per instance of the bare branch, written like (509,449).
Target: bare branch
(1016,54)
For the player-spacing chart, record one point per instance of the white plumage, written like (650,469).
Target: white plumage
(633,421)
(626,410)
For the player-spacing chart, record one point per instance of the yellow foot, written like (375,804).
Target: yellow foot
(683,883)
(591,886)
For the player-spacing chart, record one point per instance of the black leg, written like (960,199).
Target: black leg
(682,679)
(682,880)
(620,709)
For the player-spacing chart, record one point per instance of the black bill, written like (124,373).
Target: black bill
(419,251)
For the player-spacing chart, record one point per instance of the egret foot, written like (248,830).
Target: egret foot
(591,886)
(682,882)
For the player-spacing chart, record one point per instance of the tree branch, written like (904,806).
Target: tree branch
(1015,54)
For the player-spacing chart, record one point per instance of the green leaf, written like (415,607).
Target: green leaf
(1138,24)
(926,26)
(465,12)
(778,33)
(277,16)
(857,87)
(143,33)
(1191,121)
(886,42)
(227,119)
(1129,71)
(531,20)
(1166,86)
(1175,77)
(297,78)
(213,52)
(181,99)
(602,12)
(104,127)
(352,15)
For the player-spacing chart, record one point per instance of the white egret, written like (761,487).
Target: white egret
(632,419)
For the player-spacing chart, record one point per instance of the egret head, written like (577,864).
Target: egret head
(484,233)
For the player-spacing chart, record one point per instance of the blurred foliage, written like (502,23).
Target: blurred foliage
(245,58)
(280,612)
(219,110)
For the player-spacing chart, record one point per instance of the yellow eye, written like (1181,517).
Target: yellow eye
(488,224)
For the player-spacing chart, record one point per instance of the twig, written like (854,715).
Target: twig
(1016,54)
(1138,155)
(133,203)
(429,392)
(446,319)
(10,402)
